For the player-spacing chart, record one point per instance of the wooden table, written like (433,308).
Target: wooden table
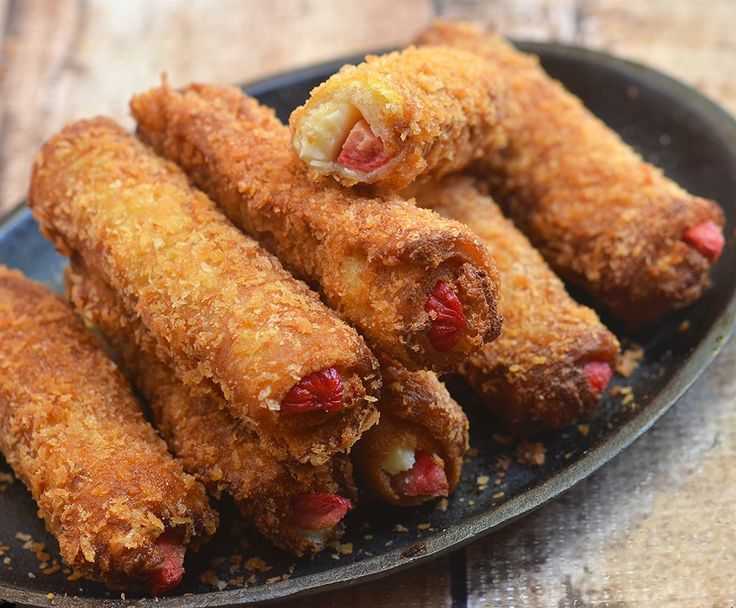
(657,526)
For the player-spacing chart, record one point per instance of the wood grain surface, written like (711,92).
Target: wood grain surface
(657,526)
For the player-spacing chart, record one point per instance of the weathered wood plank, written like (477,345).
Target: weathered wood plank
(420,587)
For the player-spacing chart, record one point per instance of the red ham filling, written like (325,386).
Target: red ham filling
(319,511)
(169,574)
(426,478)
(318,392)
(599,374)
(362,150)
(448,318)
(707,238)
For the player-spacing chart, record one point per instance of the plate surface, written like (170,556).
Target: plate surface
(674,127)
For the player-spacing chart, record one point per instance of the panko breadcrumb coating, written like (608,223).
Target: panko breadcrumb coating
(554,357)
(415,452)
(222,308)
(212,445)
(420,288)
(394,117)
(602,217)
(122,509)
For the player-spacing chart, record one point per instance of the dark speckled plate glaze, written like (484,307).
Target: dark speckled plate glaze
(674,127)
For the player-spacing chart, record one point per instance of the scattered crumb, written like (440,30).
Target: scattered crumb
(502,439)
(251,579)
(7,561)
(471,503)
(503,463)
(122,596)
(472,452)
(531,454)
(482,480)
(497,495)
(426,526)
(400,528)
(389,543)
(256,564)
(568,455)
(209,577)
(50,596)
(584,429)
(442,505)
(684,326)
(368,536)
(31,575)
(238,581)
(6,480)
(615,390)
(345,548)
(629,360)
(22,536)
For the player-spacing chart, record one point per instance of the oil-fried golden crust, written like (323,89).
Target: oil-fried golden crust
(222,307)
(417,413)
(374,259)
(437,109)
(532,375)
(73,432)
(601,216)
(211,444)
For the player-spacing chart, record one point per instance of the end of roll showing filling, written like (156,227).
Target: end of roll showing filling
(337,135)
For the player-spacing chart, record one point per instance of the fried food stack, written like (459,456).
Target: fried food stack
(270,392)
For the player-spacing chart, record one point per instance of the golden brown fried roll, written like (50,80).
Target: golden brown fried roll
(602,217)
(222,308)
(421,288)
(415,452)
(554,357)
(122,509)
(296,506)
(426,111)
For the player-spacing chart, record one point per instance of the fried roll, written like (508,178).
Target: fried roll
(222,308)
(554,357)
(426,111)
(421,288)
(415,452)
(298,507)
(123,510)
(604,219)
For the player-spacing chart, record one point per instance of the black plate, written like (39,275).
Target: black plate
(674,127)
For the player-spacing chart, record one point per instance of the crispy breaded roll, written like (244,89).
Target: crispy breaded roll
(122,509)
(415,452)
(421,288)
(554,357)
(602,217)
(426,111)
(222,308)
(296,506)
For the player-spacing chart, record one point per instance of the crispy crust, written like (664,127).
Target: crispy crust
(418,413)
(532,375)
(73,432)
(602,217)
(211,444)
(434,108)
(221,307)
(374,259)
